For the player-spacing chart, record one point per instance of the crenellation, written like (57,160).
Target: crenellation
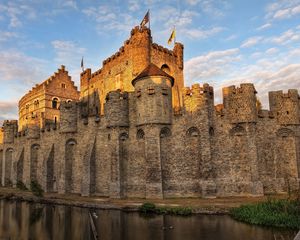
(285,106)
(240,103)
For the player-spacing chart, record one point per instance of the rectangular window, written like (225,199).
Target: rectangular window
(151,90)
(138,93)
(63,85)
(164,91)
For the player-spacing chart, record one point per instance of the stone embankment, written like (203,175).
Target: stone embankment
(199,205)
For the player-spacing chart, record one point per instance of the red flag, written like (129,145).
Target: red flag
(145,19)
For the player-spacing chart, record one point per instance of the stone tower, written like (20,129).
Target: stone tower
(153,90)
(285,106)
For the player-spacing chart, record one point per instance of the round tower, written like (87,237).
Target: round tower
(116,109)
(153,89)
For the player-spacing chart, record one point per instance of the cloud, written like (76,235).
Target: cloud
(15,65)
(251,42)
(71,4)
(263,27)
(215,9)
(210,65)
(110,18)
(272,51)
(286,37)
(17,12)
(201,34)
(8,111)
(283,9)
(5,36)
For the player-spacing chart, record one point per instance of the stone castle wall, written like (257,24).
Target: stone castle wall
(146,135)
(126,154)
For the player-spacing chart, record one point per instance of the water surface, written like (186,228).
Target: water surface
(20,220)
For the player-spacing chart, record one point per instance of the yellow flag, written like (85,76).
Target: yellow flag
(173,35)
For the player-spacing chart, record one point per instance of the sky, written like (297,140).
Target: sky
(226,42)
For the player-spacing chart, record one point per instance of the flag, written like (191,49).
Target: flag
(82,64)
(145,19)
(173,35)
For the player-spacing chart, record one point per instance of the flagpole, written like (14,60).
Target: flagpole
(149,19)
(175,34)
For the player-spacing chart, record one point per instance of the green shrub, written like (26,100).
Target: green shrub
(147,208)
(277,213)
(20,185)
(36,188)
(151,208)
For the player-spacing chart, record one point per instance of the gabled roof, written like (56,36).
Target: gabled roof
(152,70)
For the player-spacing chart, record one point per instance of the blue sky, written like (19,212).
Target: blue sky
(226,41)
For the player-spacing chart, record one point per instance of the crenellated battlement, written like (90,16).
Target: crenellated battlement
(116,109)
(240,103)
(197,97)
(285,106)
(10,127)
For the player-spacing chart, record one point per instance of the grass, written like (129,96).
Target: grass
(275,213)
(36,189)
(147,208)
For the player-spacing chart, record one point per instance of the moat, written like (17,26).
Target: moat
(21,220)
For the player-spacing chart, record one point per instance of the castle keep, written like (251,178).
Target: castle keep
(136,131)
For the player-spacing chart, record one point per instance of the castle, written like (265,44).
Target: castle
(135,131)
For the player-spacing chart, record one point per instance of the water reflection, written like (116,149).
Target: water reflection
(20,220)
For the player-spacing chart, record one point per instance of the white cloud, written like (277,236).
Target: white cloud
(201,34)
(5,36)
(251,42)
(8,111)
(283,9)
(71,4)
(109,17)
(16,65)
(271,51)
(286,37)
(263,27)
(210,65)
(16,13)
(231,37)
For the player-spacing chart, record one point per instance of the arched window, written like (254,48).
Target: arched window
(123,136)
(165,68)
(140,134)
(36,104)
(55,103)
(237,131)
(165,132)
(193,132)
(211,131)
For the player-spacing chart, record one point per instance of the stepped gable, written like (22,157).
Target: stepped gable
(152,70)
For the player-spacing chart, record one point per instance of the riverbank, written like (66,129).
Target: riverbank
(198,205)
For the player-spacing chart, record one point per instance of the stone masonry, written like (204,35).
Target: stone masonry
(137,132)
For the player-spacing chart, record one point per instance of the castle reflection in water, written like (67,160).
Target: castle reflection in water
(20,220)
